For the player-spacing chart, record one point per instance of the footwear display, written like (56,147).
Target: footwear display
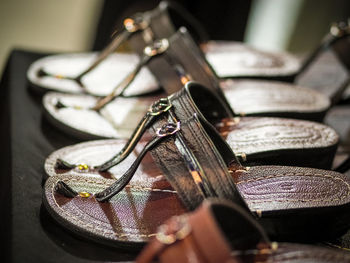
(171,146)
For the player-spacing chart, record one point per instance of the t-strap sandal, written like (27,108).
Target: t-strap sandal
(114,115)
(184,61)
(256,141)
(198,164)
(220,231)
(95,73)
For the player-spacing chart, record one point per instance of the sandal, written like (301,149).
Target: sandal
(292,203)
(174,62)
(184,61)
(220,231)
(229,59)
(42,74)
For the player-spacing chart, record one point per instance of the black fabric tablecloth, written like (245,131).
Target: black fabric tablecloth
(28,232)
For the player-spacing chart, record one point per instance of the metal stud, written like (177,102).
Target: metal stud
(84,194)
(83,166)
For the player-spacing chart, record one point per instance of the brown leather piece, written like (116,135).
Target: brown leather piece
(207,243)
(204,243)
(206,231)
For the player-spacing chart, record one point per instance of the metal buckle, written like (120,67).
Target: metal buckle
(168,129)
(340,29)
(157,47)
(168,236)
(136,23)
(160,106)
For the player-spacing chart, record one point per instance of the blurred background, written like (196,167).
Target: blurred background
(81,25)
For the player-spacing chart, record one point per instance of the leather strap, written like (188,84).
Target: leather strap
(183,62)
(158,108)
(201,235)
(190,159)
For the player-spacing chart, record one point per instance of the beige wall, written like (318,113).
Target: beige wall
(47,25)
(293,25)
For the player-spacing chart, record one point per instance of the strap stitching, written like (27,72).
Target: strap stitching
(111,233)
(298,200)
(325,130)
